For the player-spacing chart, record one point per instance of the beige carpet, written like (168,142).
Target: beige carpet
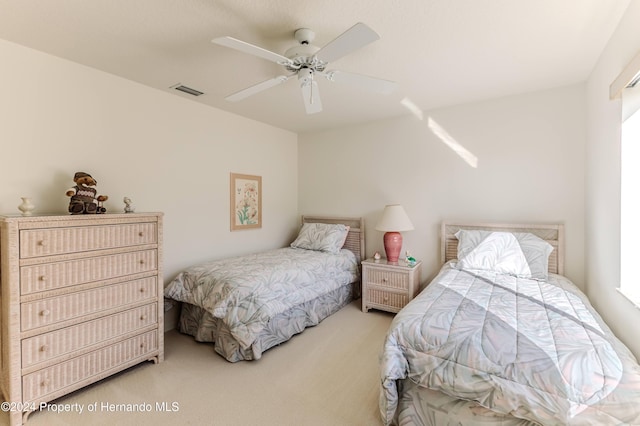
(327,375)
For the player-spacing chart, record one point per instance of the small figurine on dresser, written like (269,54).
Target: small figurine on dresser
(84,198)
(409,259)
(128,208)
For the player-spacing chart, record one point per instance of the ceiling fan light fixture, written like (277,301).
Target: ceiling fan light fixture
(305,75)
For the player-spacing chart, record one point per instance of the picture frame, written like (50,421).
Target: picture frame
(245,202)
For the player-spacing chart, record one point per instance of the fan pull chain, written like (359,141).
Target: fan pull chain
(311,90)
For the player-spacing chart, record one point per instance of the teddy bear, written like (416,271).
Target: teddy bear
(84,198)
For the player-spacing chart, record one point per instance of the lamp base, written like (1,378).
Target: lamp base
(392,245)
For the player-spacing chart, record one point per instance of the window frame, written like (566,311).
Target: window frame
(628,82)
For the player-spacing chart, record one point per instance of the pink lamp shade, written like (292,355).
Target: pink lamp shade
(394,220)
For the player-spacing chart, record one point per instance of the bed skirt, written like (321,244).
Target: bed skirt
(200,324)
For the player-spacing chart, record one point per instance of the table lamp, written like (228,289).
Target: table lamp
(394,220)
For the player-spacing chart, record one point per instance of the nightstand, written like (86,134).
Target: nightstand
(389,286)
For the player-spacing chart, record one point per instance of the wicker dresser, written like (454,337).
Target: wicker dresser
(81,299)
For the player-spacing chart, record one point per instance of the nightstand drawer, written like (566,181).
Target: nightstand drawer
(386,299)
(396,280)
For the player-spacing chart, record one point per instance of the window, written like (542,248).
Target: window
(630,199)
(627,85)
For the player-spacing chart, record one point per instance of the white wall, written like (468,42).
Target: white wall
(603,183)
(167,153)
(531,157)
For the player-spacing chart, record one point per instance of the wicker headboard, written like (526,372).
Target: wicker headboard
(355,238)
(553,234)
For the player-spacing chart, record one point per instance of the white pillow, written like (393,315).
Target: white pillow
(321,237)
(520,254)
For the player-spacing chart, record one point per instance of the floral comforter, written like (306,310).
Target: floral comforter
(246,291)
(532,349)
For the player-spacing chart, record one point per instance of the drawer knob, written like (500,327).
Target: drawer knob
(141,289)
(42,278)
(143,317)
(44,312)
(140,234)
(44,382)
(141,261)
(44,348)
(42,243)
(385,299)
(384,280)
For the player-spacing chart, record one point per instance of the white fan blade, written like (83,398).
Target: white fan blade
(364,82)
(245,93)
(251,49)
(311,96)
(353,39)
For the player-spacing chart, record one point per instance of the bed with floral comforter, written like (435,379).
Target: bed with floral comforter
(488,343)
(247,304)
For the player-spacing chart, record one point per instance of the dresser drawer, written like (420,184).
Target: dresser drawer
(39,384)
(52,310)
(55,241)
(48,276)
(390,279)
(47,346)
(387,299)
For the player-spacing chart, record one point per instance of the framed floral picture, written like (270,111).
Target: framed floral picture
(246,201)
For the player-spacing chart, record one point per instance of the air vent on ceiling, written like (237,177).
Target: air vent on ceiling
(188,90)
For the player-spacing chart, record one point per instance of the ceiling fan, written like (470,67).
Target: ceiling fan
(307,61)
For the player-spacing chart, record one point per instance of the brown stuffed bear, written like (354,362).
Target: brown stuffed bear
(83,196)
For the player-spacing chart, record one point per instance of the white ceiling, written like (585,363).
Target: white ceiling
(441,52)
